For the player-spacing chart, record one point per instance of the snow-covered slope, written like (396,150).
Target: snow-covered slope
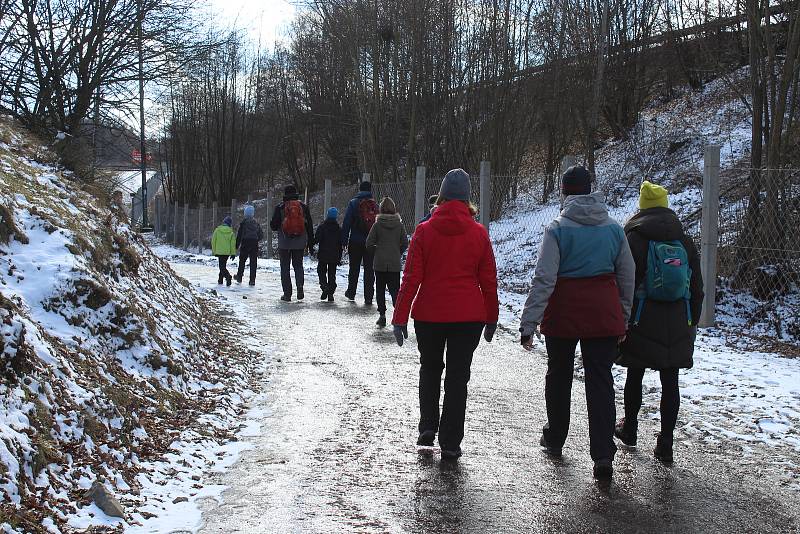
(108,358)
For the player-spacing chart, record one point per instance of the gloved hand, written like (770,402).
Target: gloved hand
(400,333)
(527,340)
(488,332)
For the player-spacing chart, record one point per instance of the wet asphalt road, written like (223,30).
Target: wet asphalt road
(337,447)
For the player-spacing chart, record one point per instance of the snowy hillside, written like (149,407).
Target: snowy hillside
(109,359)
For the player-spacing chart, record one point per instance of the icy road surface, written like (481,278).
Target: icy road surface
(336,450)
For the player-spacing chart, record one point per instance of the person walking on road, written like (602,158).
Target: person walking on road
(582,291)
(247,239)
(362,211)
(292,221)
(451,278)
(669,297)
(431,207)
(223,246)
(329,254)
(387,240)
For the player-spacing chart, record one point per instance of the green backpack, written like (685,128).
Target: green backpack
(668,276)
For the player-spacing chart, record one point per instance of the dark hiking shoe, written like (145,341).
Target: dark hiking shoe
(367,302)
(350,296)
(381,322)
(625,435)
(330,297)
(603,469)
(286,298)
(324,296)
(549,449)
(229,281)
(426,438)
(252,283)
(300,294)
(219,281)
(238,279)
(451,454)
(663,450)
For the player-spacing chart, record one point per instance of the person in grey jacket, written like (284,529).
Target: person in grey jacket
(247,238)
(582,291)
(388,240)
(291,247)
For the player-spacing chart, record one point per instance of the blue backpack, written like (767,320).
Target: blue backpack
(668,276)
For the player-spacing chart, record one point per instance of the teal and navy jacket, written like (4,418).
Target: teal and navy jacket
(583,283)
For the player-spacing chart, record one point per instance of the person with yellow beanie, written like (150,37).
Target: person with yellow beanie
(662,331)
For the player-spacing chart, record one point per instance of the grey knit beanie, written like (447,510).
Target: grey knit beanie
(455,185)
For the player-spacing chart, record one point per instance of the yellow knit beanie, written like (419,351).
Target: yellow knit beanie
(652,196)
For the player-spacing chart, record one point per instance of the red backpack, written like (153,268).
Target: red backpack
(367,214)
(294,219)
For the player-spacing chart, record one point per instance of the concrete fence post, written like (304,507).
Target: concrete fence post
(157,214)
(270,208)
(175,223)
(567,162)
(200,229)
(250,198)
(327,197)
(233,213)
(214,215)
(485,201)
(419,195)
(709,231)
(186,226)
(366,177)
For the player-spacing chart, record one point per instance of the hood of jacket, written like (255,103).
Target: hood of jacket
(656,224)
(389,220)
(224,229)
(287,198)
(588,210)
(452,218)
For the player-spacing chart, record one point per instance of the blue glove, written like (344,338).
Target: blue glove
(400,333)
(488,332)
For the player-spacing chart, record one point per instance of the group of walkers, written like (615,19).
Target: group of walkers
(628,295)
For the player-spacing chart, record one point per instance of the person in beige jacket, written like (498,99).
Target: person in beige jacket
(388,240)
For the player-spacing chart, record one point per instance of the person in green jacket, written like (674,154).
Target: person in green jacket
(223,246)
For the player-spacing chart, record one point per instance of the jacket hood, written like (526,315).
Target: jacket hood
(225,228)
(656,224)
(452,218)
(589,210)
(287,198)
(364,194)
(389,220)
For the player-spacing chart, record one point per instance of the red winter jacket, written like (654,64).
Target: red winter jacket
(450,270)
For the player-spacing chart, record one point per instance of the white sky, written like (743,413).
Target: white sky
(264,19)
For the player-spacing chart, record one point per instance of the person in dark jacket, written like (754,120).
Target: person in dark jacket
(354,239)
(582,291)
(387,240)
(247,239)
(450,290)
(431,207)
(329,254)
(291,247)
(663,337)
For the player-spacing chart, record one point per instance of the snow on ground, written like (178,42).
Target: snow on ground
(114,369)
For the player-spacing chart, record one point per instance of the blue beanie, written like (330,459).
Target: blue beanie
(333,213)
(227,220)
(249,211)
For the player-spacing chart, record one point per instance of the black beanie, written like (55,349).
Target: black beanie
(576,181)
(365,186)
(290,191)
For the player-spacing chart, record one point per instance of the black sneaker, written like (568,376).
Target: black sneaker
(426,438)
(330,297)
(603,470)
(300,294)
(229,281)
(324,296)
(381,322)
(219,281)
(552,451)
(286,298)
(367,302)
(252,283)
(350,296)
(663,450)
(451,454)
(627,437)
(238,279)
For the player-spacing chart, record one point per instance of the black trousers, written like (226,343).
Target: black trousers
(248,250)
(461,340)
(291,258)
(360,255)
(223,269)
(598,357)
(327,277)
(670,399)
(384,280)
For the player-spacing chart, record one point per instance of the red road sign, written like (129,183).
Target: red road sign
(136,156)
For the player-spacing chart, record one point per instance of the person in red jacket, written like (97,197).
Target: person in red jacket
(451,278)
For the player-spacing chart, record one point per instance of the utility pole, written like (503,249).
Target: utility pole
(142,147)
